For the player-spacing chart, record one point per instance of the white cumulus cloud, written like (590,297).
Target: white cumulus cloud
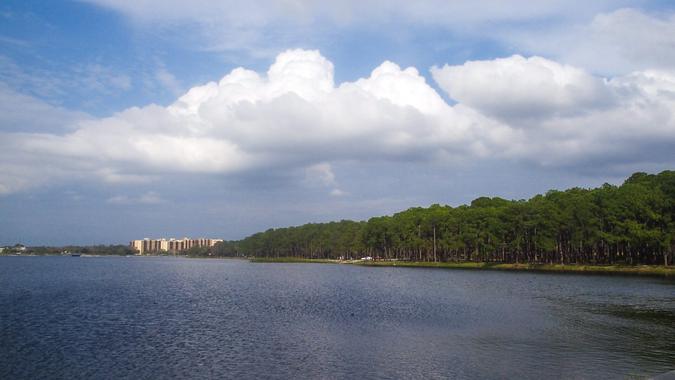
(295,118)
(518,87)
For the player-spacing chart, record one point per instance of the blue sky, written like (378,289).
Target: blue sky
(125,119)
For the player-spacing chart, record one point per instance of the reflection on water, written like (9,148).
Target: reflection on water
(63,317)
(644,313)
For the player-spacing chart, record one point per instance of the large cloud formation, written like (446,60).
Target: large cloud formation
(295,117)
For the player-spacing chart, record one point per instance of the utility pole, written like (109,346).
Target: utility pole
(434,243)
(419,247)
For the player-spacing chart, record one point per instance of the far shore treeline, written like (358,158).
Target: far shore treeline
(629,224)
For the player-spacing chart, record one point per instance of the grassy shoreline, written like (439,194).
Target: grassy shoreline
(651,270)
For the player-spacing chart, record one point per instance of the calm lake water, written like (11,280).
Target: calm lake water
(116,317)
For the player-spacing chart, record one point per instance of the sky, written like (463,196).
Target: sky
(123,119)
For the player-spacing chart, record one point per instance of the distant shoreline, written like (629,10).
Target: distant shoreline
(649,270)
(646,270)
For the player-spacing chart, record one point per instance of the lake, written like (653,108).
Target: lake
(163,317)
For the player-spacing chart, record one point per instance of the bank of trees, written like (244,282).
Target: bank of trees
(630,224)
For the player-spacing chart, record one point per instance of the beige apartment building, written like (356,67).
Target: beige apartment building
(146,245)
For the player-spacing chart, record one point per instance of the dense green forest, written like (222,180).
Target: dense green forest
(629,224)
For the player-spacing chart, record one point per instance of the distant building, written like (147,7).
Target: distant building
(146,245)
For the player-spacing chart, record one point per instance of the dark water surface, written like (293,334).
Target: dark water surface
(116,317)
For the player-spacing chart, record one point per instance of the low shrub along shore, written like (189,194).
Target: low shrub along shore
(657,270)
(628,269)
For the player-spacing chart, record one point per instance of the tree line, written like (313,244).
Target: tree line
(629,224)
